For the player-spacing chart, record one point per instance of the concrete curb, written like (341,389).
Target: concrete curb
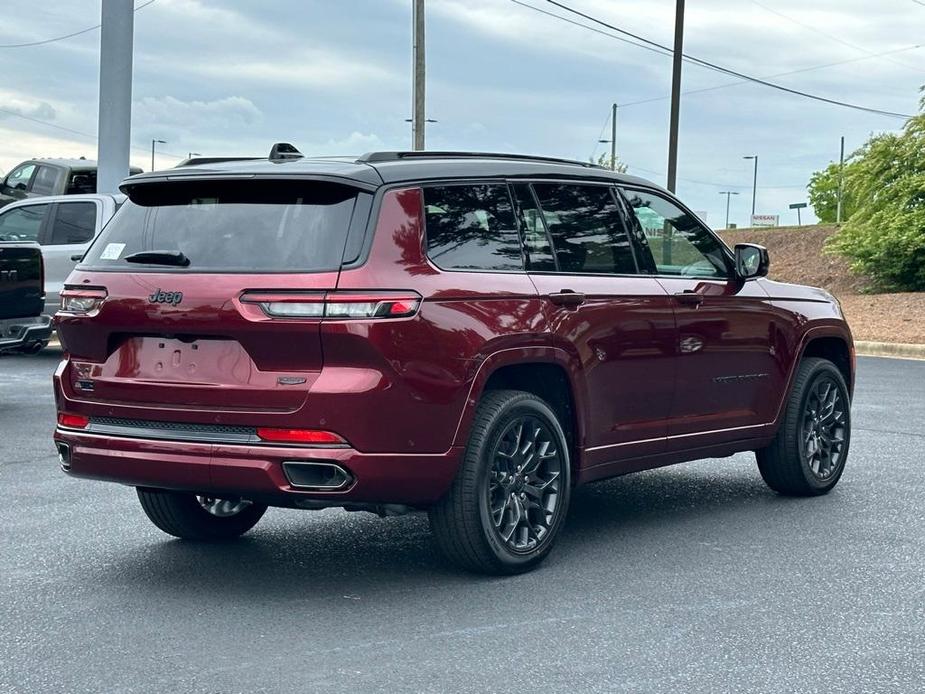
(890,349)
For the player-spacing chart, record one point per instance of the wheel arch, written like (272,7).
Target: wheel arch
(833,343)
(836,349)
(547,372)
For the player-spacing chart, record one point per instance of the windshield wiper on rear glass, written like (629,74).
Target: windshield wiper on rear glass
(158,258)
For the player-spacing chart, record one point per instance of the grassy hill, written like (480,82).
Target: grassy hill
(797,256)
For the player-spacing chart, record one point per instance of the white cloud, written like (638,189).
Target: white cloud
(170,112)
(12,104)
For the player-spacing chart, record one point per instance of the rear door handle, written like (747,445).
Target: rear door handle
(689,298)
(566,297)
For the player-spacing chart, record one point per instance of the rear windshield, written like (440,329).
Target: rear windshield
(242,226)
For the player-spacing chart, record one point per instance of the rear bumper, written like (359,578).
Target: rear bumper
(256,471)
(16,332)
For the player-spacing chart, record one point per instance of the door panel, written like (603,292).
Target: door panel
(726,371)
(620,324)
(623,332)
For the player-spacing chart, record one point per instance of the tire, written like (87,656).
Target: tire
(788,465)
(183,516)
(498,492)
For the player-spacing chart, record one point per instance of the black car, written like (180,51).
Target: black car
(22,298)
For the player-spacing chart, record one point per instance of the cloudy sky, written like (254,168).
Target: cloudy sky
(226,77)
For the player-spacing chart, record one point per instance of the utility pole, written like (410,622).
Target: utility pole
(728,194)
(841,181)
(115,102)
(754,183)
(675,96)
(418,123)
(613,138)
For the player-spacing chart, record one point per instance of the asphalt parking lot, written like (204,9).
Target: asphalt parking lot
(694,578)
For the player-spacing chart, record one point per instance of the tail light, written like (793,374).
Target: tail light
(73,421)
(82,301)
(299,436)
(335,305)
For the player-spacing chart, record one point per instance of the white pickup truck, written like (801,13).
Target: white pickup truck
(64,226)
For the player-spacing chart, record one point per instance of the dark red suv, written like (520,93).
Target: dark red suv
(468,334)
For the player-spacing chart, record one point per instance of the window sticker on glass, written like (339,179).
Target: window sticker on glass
(204,203)
(112,251)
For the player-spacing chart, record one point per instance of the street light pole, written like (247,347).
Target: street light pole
(754,181)
(155,142)
(728,194)
(675,96)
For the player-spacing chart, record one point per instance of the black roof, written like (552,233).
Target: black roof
(377,168)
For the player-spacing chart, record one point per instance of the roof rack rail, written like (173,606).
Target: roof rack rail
(374,157)
(197,161)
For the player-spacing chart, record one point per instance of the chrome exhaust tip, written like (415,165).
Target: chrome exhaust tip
(326,477)
(64,455)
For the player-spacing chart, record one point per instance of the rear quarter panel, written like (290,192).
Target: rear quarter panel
(416,375)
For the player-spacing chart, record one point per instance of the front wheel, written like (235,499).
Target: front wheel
(193,517)
(511,493)
(807,457)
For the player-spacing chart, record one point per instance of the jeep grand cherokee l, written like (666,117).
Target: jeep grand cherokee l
(468,334)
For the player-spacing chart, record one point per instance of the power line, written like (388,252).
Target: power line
(729,71)
(77,132)
(66,36)
(591,28)
(779,74)
(831,37)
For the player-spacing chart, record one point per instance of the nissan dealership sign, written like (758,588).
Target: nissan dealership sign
(765,220)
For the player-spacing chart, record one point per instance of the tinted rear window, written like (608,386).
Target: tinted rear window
(586,229)
(471,227)
(74,222)
(233,226)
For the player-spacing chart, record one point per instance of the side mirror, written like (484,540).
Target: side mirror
(751,260)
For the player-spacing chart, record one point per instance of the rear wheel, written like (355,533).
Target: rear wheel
(511,493)
(808,454)
(202,518)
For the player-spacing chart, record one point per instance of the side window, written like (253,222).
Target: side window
(19,178)
(81,182)
(471,227)
(22,223)
(74,222)
(45,180)
(536,241)
(586,230)
(679,244)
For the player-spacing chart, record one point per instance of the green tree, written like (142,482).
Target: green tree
(604,160)
(823,194)
(885,236)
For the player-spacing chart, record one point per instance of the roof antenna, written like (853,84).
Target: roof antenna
(283,151)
